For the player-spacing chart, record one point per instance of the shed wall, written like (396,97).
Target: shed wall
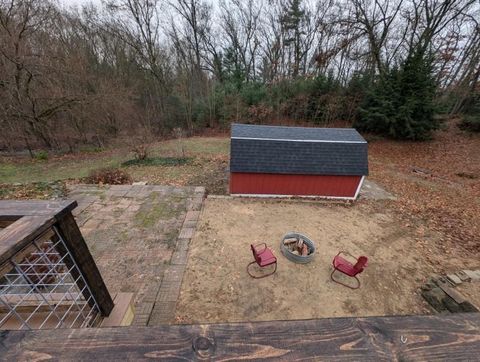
(289,184)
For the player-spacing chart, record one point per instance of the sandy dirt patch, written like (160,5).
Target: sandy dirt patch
(217,288)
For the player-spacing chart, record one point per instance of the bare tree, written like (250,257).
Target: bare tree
(28,89)
(148,66)
(241,23)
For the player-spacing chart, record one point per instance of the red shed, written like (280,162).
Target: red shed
(297,161)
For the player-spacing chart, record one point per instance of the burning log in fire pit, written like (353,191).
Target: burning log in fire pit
(297,247)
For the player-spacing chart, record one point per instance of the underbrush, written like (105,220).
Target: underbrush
(158,161)
(470,123)
(110,176)
(41,156)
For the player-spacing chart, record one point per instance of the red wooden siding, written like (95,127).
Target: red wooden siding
(302,185)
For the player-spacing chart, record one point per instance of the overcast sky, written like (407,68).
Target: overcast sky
(69,3)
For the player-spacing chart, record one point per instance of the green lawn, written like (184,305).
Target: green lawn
(207,157)
(26,171)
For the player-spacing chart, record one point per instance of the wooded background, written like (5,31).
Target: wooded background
(145,67)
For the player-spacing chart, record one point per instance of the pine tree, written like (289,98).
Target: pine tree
(293,20)
(401,103)
(233,70)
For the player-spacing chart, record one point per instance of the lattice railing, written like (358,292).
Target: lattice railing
(48,277)
(43,287)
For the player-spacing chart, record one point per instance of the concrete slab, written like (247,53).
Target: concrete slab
(463,276)
(474,275)
(372,190)
(454,279)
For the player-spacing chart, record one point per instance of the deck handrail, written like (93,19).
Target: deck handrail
(43,235)
(400,338)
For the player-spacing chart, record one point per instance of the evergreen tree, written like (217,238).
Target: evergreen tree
(233,71)
(471,117)
(293,21)
(401,103)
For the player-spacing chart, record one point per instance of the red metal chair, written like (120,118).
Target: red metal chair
(346,267)
(263,258)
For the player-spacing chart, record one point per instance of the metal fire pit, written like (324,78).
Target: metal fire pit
(297,258)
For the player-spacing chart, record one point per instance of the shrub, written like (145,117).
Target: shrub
(41,155)
(141,151)
(260,113)
(91,149)
(471,119)
(110,176)
(158,161)
(470,123)
(253,93)
(141,145)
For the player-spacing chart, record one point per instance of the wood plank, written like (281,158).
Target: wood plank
(78,248)
(26,251)
(30,218)
(123,312)
(37,320)
(18,257)
(5,222)
(22,232)
(401,338)
(27,309)
(17,208)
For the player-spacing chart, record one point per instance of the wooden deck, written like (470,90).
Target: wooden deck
(401,338)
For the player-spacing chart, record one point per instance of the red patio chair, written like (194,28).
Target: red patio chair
(263,258)
(352,270)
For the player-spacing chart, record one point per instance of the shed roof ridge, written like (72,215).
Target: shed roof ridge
(293,140)
(273,125)
(304,127)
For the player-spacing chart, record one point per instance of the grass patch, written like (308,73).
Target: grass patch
(26,171)
(204,159)
(159,161)
(171,238)
(36,190)
(194,146)
(41,156)
(156,209)
(91,149)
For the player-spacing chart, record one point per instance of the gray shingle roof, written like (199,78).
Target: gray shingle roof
(287,155)
(296,133)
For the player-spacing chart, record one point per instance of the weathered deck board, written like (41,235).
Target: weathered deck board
(31,218)
(11,209)
(401,338)
(18,235)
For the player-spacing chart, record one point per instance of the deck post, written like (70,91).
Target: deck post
(73,239)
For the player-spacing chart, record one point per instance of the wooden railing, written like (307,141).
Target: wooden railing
(48,278)
(454,337)
(33,231)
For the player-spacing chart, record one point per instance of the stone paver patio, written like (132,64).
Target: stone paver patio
(139,237)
